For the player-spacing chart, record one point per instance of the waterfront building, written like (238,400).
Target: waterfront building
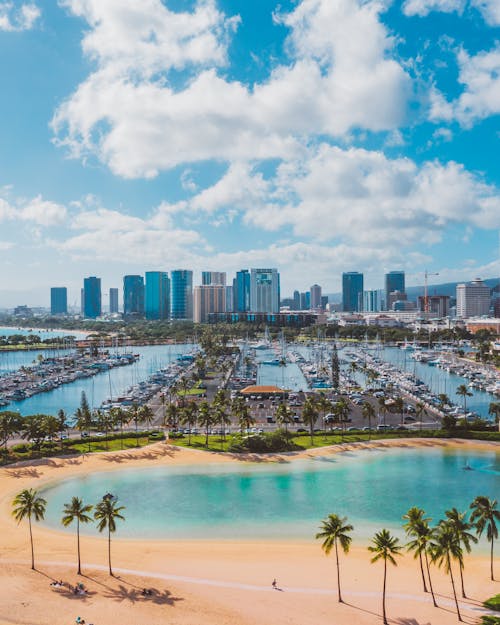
(92,301)
(296,300)
(157,295)
(371,301)
(393,297)
(208,298)
(352,291)
(59,300)
(324,302)
(439,305)
(264,290)
(113,300)
(473,299)
(133,296)
(209,278)
(181,294)
(305,301)
(229,299)
(403,304)
(241,291)
(284,319)
(315,297)
(394,281)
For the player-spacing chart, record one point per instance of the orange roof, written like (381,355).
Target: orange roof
(262,389)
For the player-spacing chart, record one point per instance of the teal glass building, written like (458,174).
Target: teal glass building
(157,295)
(352,291)
(59,300)
(181,294)
(92,303)
(133,296)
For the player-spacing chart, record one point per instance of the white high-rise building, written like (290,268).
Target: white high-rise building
(371,301)
(473,299)
(264,290)
(208,298)
(315,292)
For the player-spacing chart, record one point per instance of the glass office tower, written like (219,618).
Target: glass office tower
(133,296)
(92,307)
(352,291)
(157,300)
(181,294)
(59,300)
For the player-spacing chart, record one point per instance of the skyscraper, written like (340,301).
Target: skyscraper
(352,291)
(296,300)
(264,290)
(113,301)
(473,299)
(241,291)
(371,301)
(157,299)
(59,300)
(208,298)
(315,300)
(181,299)
(394,281)
(133,296)
(92,307)
(213,277)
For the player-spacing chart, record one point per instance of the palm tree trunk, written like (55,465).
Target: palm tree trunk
(109,551)
(454,591)
(422,571)
(491,561)
(31,541)
(383,594)
(430,580)
(78,545)
(461,567)
(338,571)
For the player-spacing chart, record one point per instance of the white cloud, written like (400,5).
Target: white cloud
(490,10)
(6,245)
(35,211)
(480,75)
(340,76)
(15,18)
(424,7)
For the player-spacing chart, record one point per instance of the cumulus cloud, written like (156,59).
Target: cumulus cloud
(424,7)
(18,17)
(490,10)
(480,76)
(135,119)
(36,211)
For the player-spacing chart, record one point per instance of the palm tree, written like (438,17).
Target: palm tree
(61,418)
(464,392)
(28,504)
(457,521)
(76,510)
(119,416)
(420,411)
(172,415)
(283,415)
(494,410)
(385,547)
(10,423)
(445,548)
(242,413)
(484,515)
(382,408)
(147,416)
(135,415)
(106,513)
(205,418)
(415,521)
(189,414)
(309,416)
(334,530)
(399,407)
(368,412)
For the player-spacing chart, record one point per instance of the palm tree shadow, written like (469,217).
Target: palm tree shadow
(409,621)
(356,607)
(122,593)
(23,472)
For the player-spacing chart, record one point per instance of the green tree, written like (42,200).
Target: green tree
(399,407)
(457,520)
(106,514)
(382,408)
(62,423)
(415,523)
(205,418)
(484,516)
(119,417)
(420,412)
(28,504)
(283,415)
(335,531)
(335,368)
(464,392)
(242,413)
(10,423)
(445,548)
(494,410)
(34,429)
(368,412)
(310,416)
(76,510)
(385,547)
(189,415)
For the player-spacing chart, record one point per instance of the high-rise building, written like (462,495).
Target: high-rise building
(208,298)
(157,295)
(241,291)
(59,300)
(264,290)
(352,291)
(296,300)
(213,277)
(305,301)
(473,299)
(315,295)
(181,294)
(439,305)
(113,300)
(92,307)
(133,296)
(395,296)
(371,301)
(395,281)
(229,299)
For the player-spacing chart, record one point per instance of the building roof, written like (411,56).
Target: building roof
(251,390)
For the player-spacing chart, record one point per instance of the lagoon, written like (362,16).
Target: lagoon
(374,488)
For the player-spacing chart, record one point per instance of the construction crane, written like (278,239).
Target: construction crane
(426,290)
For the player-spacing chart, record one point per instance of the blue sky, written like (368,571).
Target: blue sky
(316,136)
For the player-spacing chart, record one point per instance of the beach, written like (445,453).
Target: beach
(206,581)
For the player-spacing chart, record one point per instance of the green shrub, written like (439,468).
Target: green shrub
(20,448)
(490,620)
(175,435)
(493,603)
(269,442)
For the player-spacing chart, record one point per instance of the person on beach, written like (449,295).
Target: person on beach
(274,584)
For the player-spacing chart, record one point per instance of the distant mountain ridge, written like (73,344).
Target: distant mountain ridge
(447,288)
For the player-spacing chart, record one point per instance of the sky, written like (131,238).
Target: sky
(315,136)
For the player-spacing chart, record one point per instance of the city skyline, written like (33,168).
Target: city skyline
(316,136)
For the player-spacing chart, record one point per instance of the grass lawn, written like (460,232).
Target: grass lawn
(113,445)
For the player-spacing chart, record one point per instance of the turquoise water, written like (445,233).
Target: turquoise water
(43,334)
(373,488)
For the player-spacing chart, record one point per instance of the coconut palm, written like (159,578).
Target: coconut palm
(368,412)
(76,510)
(399,407)
(120,417)
(382,408)
(457,520)
(484,515)
(172,413)
(106,513)
(415,522)
(205,418)
(62,423)
(445,548)
(494,410)
(385,547)
(28,504)
(464,392)
(283,415)
(189,415)
(242,413)
(309,416)
(420,411)
(334,530)
(147,416)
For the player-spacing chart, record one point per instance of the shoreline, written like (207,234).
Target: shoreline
(213,582)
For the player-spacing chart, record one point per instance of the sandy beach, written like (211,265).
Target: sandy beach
(214,583)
